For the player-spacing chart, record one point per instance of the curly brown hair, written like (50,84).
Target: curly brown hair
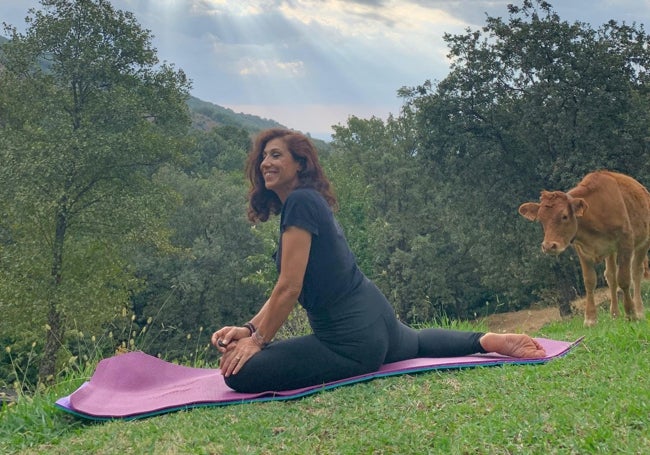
(263,202)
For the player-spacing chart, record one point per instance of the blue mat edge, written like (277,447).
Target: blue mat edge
(322,389)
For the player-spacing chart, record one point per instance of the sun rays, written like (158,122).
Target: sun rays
(304,61)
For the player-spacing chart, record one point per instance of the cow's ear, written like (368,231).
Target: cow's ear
(529,210)
(579,206)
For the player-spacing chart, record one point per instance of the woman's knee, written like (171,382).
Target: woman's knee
(244,383)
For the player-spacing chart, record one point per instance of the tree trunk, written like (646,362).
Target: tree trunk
(47,366)
(56,329)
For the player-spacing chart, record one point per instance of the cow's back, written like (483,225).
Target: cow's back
(615,202)
(637,202)
(637,205)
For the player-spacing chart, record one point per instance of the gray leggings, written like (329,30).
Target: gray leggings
(351,338)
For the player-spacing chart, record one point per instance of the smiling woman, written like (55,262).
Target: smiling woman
(290,146)
(355,329)
(279,169)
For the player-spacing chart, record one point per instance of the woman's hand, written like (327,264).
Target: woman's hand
(236,354)
(236,346)
(222,337)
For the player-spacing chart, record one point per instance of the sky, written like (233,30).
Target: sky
(311,64)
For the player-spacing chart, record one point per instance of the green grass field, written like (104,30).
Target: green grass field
(595,400)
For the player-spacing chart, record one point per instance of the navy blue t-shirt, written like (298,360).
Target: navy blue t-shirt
(332,272)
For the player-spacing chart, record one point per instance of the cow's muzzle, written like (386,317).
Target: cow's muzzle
(552,248)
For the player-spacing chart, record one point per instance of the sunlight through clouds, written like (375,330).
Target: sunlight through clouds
(248,67)
(309,64)
(391,19)
(236,8)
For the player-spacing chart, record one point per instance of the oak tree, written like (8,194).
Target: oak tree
(87,113)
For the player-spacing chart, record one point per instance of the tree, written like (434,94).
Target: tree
(530,103)
(87,114)
(223,147)
(391,211)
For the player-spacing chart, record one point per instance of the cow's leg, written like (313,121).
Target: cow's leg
(612,283)
(625,280)
(638,271)
(589,277)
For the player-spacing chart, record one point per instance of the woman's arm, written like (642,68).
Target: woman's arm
(296,243)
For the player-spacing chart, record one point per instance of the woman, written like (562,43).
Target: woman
(355,329)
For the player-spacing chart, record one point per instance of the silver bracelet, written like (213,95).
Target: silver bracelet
(259,339)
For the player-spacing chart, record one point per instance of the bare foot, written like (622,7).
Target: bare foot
(513,345)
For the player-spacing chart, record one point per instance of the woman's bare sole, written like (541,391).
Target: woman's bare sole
(513,345)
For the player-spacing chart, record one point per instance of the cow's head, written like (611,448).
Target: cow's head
(558,214)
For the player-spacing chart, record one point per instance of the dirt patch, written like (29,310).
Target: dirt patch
(524,321)
(531,320)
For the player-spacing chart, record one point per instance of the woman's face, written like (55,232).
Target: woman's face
(279,168)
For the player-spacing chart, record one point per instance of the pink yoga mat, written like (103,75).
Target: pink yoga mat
(135,384)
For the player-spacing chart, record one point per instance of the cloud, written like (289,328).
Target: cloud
(342,51)
(270,68)
(312,63)
(369,20)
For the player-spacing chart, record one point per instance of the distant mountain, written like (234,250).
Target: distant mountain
(206,115)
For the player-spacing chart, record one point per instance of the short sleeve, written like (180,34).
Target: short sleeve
(303,209)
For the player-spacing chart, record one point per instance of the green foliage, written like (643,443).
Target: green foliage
(200,284)
(395,221)
(224,148)
(87,114)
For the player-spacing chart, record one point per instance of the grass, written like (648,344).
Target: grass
(595,400)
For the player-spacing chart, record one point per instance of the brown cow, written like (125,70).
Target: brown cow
(607,216)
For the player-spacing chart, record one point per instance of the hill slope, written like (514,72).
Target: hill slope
(206,115)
